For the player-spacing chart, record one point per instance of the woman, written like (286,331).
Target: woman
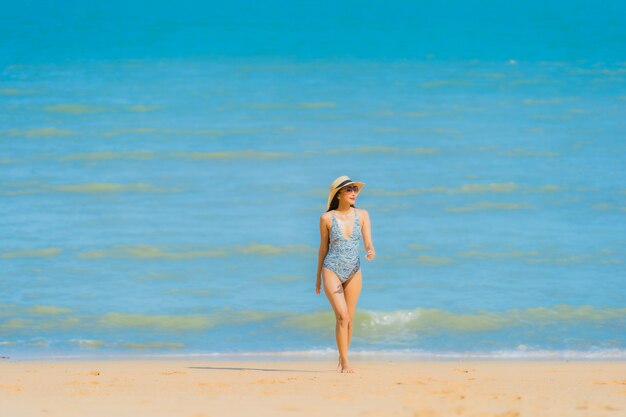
(341,227)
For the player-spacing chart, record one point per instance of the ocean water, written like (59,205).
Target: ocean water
(162,174)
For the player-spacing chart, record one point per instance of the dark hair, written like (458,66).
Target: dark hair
(334,203)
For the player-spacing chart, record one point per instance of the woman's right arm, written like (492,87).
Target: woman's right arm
(322,252)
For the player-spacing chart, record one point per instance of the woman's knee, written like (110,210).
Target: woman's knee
(344,319)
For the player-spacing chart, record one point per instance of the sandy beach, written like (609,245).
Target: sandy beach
(245,388)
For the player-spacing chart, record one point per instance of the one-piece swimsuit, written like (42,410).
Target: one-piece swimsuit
(343,254)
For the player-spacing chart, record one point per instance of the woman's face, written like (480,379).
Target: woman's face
(348,194)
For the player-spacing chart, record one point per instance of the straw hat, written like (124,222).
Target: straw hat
(339,183)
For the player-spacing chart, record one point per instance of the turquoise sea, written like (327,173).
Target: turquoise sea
(163,167)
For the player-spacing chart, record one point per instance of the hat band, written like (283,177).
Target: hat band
(343,183)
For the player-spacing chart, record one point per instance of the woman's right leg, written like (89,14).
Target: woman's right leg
(334,292)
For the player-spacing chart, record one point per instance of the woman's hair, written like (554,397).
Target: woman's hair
(334,203)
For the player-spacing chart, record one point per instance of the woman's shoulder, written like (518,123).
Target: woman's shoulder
(326,216)
(362,212)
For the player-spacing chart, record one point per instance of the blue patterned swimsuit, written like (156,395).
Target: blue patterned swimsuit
(343,254)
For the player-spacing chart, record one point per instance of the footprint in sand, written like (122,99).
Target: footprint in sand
(268,381)
(94,373)
(467,371)
(508,414)
(442,392)
(618,382)
(174,373)
(416,382)
(82,383)
(213,384)
(11,387)
(602,408)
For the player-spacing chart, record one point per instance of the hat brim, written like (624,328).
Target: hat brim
(331,195)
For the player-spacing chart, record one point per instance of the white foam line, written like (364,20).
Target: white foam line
(331,354)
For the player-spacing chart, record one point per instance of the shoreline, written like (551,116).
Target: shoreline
(161,358)
(206,388)
(330,354)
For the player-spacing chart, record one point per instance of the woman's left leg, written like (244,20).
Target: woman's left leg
(351,292)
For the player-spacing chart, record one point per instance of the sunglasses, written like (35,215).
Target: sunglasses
(350,188)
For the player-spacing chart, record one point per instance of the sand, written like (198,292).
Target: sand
(210,388)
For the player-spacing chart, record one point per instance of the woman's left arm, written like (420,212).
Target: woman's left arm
(367,235)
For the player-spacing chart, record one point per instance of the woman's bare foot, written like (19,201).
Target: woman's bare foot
(345,368)
(339,365)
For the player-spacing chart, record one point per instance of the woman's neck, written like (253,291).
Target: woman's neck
(344,208)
